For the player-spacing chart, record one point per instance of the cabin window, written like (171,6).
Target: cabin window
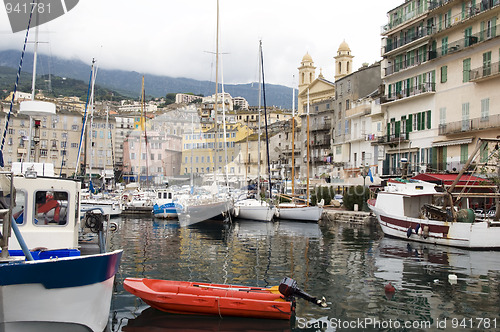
(51,208)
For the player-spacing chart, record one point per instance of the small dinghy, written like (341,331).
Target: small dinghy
(182,297)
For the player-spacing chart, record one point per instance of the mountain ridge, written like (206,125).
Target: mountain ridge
(128,83)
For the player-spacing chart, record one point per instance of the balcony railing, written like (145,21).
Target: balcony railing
(321,141)
(411,91)
(391,139)
(327,125)
(423,32)
(398,20)
(485,72)
(451,47)
(486,122)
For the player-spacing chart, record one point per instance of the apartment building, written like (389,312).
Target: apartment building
(441,78)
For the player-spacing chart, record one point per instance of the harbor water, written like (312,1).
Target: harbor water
(350,265)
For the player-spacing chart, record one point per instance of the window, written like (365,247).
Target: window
(444,74)
(487,63)
(464,153)
(444,46)
(465,117)
(48,207)
(485,109)
(468,37)
(466,70)
(442,116)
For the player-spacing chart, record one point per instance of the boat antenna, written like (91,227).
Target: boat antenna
(33,5)
(265,116)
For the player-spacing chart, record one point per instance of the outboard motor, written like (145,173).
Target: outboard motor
(288,288)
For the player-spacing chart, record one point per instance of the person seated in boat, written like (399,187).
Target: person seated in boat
(46,204)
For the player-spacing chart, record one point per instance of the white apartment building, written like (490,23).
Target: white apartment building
(441,77)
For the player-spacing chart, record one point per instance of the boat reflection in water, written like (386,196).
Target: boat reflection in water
(153,320)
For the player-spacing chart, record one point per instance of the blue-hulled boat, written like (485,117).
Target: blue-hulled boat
(165,206)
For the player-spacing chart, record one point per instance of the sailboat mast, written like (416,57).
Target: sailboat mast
(258,141)
(265,118)
(216,125)
(307,191)
(293,142)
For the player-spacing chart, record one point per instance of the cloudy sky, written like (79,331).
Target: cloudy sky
(177,38)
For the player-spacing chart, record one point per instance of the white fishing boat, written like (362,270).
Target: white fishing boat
(44,277)
(424,212)
(45,281)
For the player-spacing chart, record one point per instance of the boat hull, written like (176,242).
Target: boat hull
(182,297)
(166,211)
(477,235)
(254,210)
(303,213)
(73,291)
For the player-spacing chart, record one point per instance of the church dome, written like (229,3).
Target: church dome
(344,47)
(307,58)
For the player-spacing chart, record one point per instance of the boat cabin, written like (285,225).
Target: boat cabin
(46,211)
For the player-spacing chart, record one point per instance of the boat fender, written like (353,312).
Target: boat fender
(277,213)
(408,232)
(425,233)
(236,211)
(417,229)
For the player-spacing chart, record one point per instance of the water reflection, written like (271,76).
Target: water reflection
(348,264)
(154,320)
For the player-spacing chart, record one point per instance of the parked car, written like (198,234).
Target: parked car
(339,198)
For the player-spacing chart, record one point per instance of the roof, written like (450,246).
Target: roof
(447,179)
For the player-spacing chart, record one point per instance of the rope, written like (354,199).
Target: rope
(33,4)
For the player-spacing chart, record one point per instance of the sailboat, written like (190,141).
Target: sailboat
(45,279)
(205,202)
(90,199)
(256,208)
(293,210)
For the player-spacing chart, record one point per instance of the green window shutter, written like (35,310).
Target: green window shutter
(418,121)
(464,153)
(388,131)
(440,21)
(494,27)
(466,70)
(409,123)
(484,152)
(429,119)
(449,17)
(444,74)
(398,128)
(481,32)
(422,122)
(390,91)
(463,10)
(434,158)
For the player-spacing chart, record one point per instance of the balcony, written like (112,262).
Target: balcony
(392,139)
(421,89)
(400,42)
(485,72)
(398,17)
(321,141)
(327,125)
(476,124)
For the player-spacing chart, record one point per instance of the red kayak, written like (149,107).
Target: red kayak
(182,297)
